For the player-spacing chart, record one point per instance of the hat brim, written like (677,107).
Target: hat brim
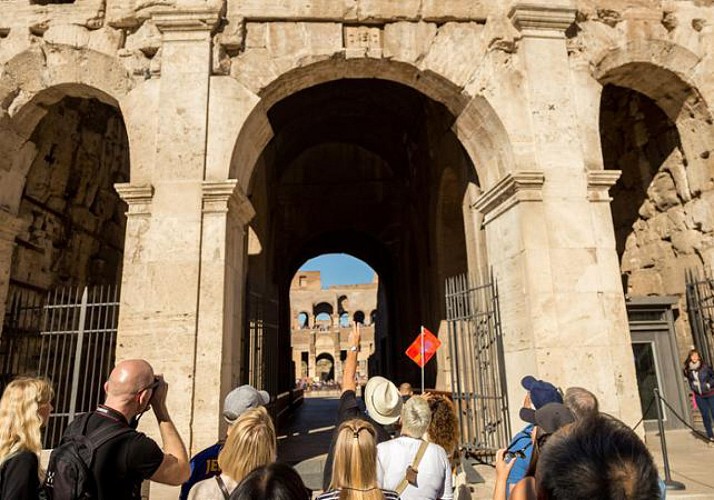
(378,417)
(528,415)
(265,397)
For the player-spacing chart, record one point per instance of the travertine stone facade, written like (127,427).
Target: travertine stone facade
(489,142)
(321,321)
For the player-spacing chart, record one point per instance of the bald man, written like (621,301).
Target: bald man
(121,464)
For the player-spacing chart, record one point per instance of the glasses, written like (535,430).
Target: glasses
(151,386)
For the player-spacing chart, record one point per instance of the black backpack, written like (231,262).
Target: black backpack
(69,472)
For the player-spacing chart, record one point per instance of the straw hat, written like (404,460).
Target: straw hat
(384,404)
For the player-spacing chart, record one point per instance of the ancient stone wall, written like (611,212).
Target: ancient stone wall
(663,226)
(75,219)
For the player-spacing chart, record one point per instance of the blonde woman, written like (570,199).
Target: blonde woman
(251,444)
(354,471)
(24,408)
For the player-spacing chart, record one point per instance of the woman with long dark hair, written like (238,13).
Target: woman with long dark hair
(701,380)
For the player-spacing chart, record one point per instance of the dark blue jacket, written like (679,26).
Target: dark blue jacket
(204,464)
(706,379)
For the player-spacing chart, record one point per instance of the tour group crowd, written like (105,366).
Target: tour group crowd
(404,446)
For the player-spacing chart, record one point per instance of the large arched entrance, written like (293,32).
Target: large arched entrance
(64,265)
(371,168)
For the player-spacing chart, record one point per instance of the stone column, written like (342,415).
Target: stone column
(550,240)
(10,227)
(226,213)
(161,293)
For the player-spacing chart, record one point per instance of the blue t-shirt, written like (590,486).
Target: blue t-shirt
(204,464)
(521,441)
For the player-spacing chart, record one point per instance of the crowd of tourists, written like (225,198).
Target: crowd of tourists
(404,446)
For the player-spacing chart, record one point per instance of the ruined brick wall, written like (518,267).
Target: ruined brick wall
(76,221)
(663,226)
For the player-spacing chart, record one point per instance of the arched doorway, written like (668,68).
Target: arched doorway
(363,176)
(65,266)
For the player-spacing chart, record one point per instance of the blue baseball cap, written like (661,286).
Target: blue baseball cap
(541,392)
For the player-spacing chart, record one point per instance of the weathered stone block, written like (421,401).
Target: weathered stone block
(663,192)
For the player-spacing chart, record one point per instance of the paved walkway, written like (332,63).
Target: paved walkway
(304,443)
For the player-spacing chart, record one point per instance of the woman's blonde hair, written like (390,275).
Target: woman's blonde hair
(250,444)
(354,470)
(20,420)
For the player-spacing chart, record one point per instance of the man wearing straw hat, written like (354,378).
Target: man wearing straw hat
(381,397)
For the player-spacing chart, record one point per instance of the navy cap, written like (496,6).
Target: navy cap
(541,392)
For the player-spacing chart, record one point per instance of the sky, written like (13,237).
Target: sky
(339,269)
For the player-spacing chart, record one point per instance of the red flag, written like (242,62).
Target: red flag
(431,344)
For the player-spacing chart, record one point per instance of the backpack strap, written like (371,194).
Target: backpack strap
(222,486)
(413,468)
(97,438)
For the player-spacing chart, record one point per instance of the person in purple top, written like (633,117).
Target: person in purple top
(204,464)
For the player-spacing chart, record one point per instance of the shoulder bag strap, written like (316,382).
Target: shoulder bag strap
(222,486)
(415,466)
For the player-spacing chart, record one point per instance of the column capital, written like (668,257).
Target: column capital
(514,188)
(600,182)
(137,196)
(192,24)
(539,20)
(227,197)
(11,225)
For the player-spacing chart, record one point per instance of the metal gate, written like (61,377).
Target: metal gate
(262,354)
(67,335)
(478,378)
(700,308)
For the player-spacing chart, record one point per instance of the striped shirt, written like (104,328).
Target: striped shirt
(335,495)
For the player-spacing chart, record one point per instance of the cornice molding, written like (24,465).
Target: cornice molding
(187,24)
(542,21)
(600,182)
(514,188)
(137,196)
(227,196)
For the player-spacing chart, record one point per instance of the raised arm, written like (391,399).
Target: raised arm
(174,469)
(350,368)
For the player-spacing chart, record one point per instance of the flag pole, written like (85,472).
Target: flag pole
(422,359)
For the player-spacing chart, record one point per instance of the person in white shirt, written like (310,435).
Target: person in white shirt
(433,478)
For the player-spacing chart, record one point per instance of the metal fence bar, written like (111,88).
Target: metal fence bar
(67,335)
(477,365)
(700,308)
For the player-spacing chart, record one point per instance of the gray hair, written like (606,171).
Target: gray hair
(581,402)
(416,417)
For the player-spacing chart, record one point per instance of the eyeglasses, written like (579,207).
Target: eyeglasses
(151,386)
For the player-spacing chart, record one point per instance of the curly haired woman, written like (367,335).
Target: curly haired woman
(24,408)
(444,427)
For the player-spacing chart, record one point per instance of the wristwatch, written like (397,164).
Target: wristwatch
(354,348)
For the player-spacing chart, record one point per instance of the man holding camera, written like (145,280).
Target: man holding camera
(128,457)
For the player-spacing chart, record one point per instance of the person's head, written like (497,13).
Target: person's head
(546,421)
(355,462)
(242,399)
(444,426)
(274,481)
(250,444)
(406,390)
(581,402)
(416,417)
(694,358)
(24,408)
(130,387)
(540,392)
(382,399)
(596,458)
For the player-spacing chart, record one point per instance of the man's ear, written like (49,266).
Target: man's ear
(106,388)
